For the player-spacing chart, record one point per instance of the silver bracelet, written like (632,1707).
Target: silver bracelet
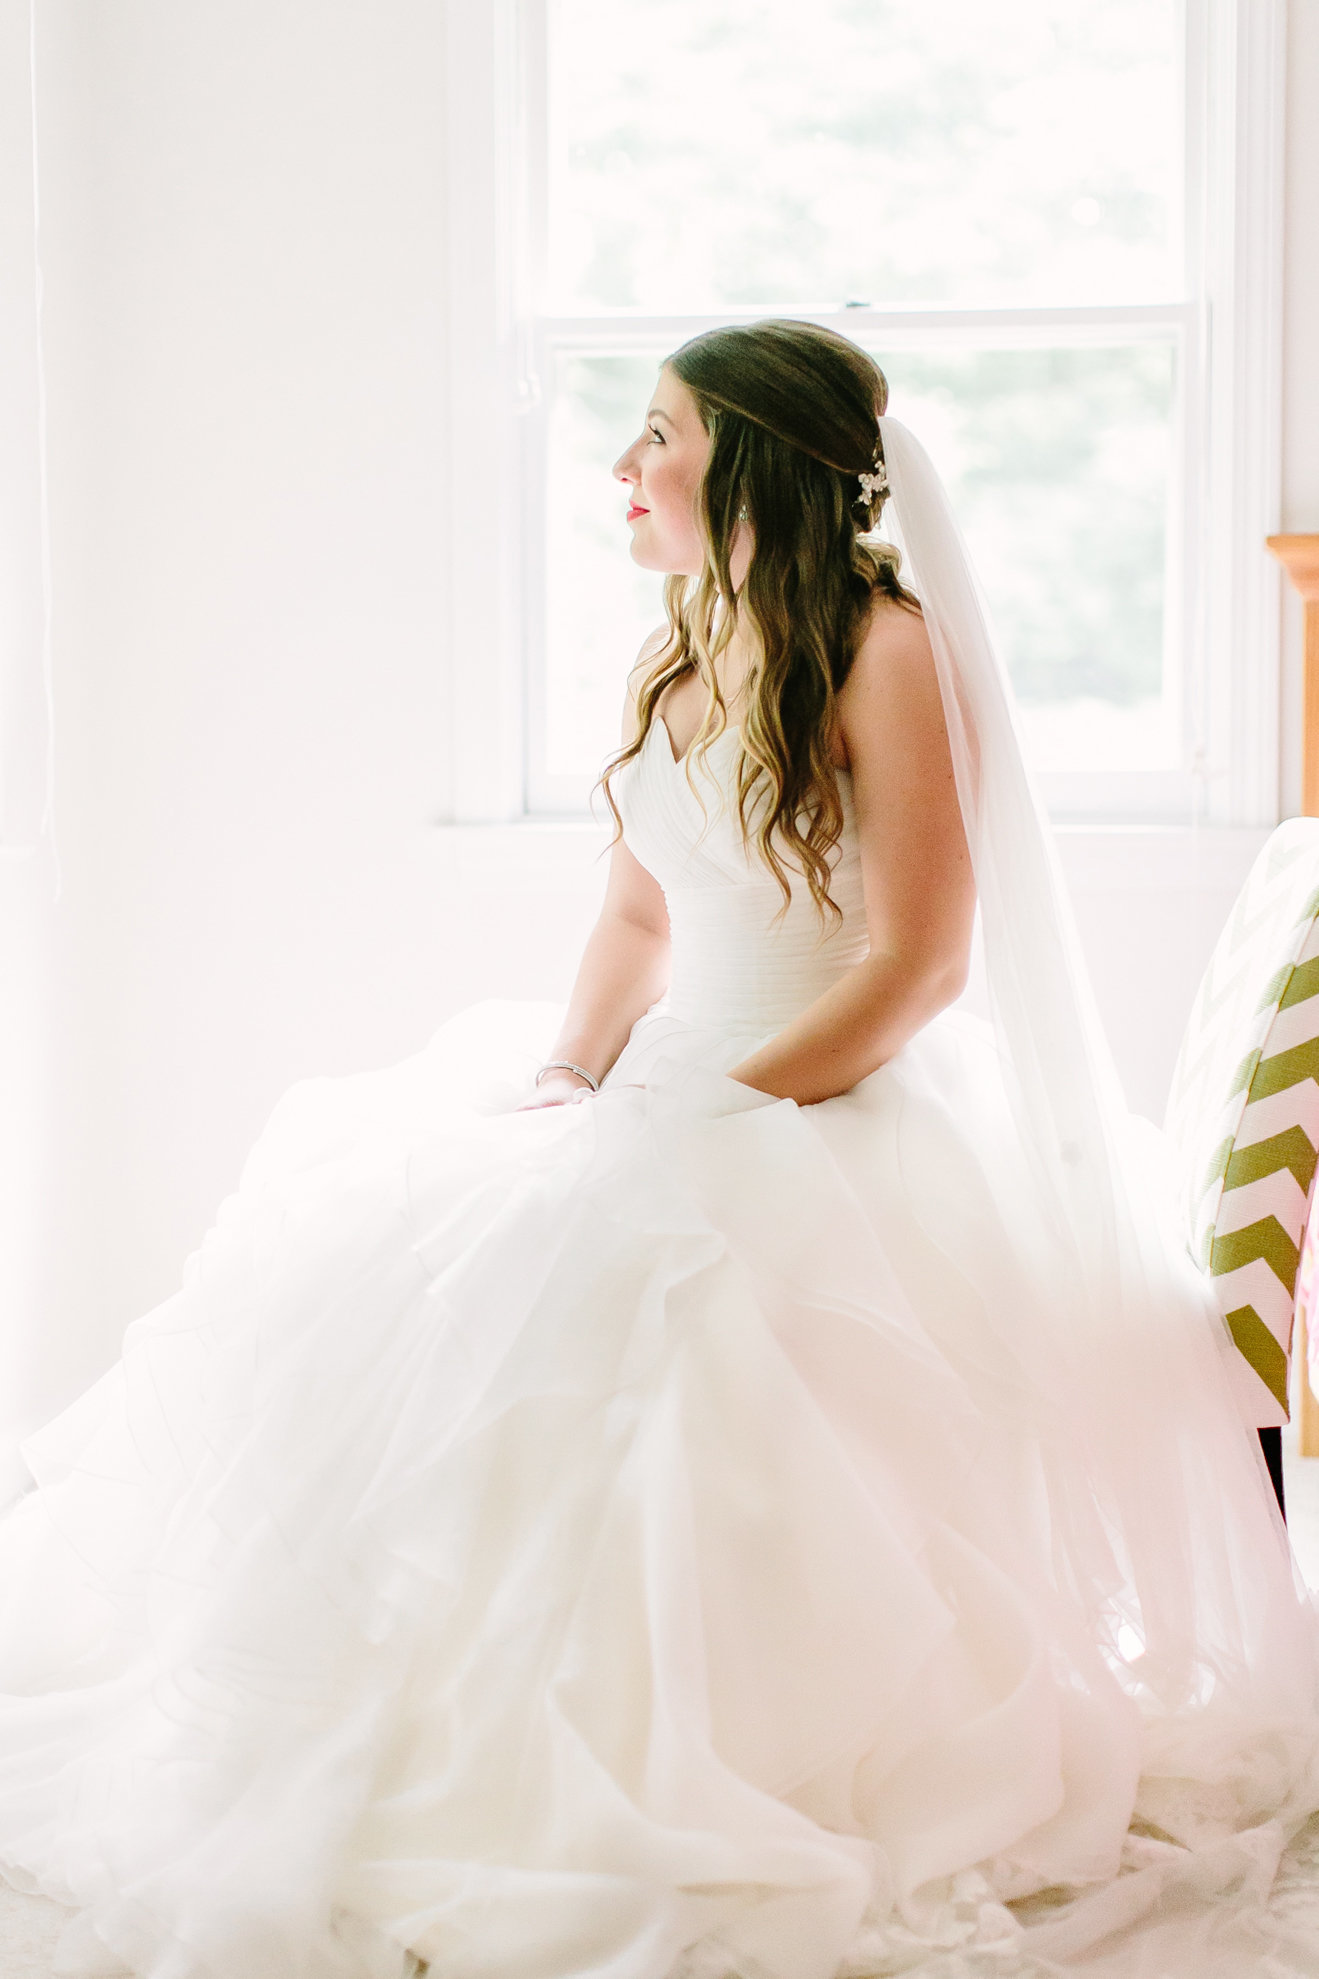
(566,1065)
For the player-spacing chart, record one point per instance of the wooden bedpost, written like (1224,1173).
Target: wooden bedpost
(1299,557)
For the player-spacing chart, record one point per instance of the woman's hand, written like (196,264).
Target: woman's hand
(557,1088)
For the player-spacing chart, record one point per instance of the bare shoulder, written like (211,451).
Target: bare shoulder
(904,787)
(895,637)
(892,674)
(651,648)
(649,651)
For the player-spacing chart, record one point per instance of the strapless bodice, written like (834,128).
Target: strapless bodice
(738,959)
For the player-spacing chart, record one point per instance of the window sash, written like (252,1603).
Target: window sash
(1149,794)
(1224,599)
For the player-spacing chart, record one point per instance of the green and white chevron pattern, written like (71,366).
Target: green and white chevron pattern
(1244,1110)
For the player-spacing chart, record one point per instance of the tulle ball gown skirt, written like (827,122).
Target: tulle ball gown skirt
(681,1536)
(653,1536)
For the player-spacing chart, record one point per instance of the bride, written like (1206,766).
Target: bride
(745,1484)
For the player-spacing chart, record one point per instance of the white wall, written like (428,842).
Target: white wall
(243,244)
(1300,432)
(1300,441)
(244,249)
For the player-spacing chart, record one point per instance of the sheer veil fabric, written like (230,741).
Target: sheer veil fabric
(1146,1350)
(685,1535)
(1192,1599)
(1140,1328)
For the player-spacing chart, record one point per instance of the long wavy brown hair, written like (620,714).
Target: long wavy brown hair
(792,411)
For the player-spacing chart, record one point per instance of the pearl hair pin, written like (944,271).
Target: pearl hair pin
(876,482)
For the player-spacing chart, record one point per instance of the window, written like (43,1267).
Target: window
(1051,224)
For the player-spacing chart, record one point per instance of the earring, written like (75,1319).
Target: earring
(742,513)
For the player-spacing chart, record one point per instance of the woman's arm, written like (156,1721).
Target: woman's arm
(919,891)
(624,969)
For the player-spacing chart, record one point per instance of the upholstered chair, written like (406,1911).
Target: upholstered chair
(1244,1116)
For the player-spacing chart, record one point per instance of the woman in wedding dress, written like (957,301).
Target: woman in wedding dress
(735,1479)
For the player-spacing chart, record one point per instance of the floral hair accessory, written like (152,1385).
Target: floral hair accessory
(876,481)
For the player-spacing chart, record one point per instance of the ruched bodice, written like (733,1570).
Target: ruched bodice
(738,959)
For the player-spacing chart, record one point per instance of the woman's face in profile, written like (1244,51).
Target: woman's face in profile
(662,470)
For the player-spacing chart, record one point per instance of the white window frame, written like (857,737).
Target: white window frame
(1224,626)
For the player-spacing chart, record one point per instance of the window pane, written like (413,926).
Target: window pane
(599,606)
(1058,464)
(712,153)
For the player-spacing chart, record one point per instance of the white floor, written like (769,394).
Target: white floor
(29,1926)
(1301,1483)
(28,1930)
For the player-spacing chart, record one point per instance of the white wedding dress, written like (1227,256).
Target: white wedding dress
(662,1535)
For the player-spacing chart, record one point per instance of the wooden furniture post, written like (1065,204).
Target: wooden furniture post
(1299,557)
